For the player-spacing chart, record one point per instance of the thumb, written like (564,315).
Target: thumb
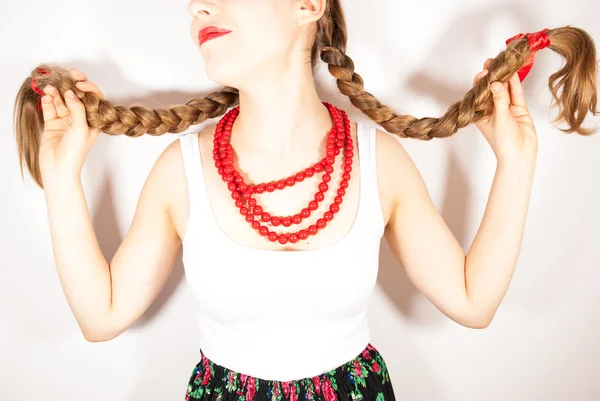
(77,109)
(501,97)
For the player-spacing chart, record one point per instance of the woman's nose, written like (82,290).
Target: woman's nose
(202,8)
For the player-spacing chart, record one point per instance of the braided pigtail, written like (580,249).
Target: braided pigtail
(576,80)
(133,121)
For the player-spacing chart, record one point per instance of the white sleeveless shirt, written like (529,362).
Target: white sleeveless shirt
(281,315)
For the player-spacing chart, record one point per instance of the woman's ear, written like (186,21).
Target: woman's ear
(310,10)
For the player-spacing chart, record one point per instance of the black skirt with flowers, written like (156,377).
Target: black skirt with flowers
(365,377)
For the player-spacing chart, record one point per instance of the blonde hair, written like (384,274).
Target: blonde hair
(576,78)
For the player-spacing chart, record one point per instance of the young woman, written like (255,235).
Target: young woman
(280,207)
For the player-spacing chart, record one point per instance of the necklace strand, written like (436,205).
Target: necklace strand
(338,139)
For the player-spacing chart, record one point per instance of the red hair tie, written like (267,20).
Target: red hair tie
(35,87)
(537,41)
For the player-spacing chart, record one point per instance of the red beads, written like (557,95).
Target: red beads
(339,140)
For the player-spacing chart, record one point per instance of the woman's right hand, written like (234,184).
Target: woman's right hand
(66,139)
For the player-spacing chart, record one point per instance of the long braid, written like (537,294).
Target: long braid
(577,79)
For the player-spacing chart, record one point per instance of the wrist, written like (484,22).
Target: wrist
(61,179)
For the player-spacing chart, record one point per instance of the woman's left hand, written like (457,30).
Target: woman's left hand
(509,130)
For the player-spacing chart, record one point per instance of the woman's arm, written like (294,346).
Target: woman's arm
(467,288)
(107,298)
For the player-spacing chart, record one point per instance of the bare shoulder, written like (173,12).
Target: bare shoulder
(399,179)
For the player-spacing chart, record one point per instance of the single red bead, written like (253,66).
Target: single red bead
(349,154)
(326,178)
(329,169)
(321,223)
(236,195)
(299,177)
(312,205)
(328,216)
(318,167)
(270,187)
(330,160)
(349,147)
(303,234)
(323,187)
(238,180)
(244,211)
(319,196)
(256,225)
(334,208)
(280,184)
(347,168)
(220,171)
(337,199)
(290,181)
(344,184)
(275,221)
(273,236)
(305,213)
(242,187)
(346,176)
(218,164)
(239,203)
(228,170)
(257,210)
(312,229)
(339,144)
(266,217)
(231,186)
(293,238)
(260,188)
(247,195)
(331,153)
(286,221)
(283,239)
(341,136)
(309,172)
(297,219)
(249,218)
(251,202)
(263,230)
(341,192)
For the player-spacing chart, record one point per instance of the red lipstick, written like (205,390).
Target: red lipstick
(210,32)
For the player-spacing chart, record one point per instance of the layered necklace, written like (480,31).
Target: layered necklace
(339,141)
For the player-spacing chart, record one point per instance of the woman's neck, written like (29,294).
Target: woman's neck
(280,116)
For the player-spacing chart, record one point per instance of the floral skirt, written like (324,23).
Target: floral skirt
(364,377)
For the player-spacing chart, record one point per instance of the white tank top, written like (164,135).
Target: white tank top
(282,315)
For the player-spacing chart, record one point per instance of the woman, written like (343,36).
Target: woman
(280,207)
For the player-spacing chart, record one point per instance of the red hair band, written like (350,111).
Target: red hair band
(537,41)
(35,87)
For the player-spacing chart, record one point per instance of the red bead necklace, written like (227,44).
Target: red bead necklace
(339,139)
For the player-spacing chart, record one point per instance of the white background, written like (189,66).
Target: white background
(418,57)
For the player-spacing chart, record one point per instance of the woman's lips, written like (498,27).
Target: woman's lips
(210,32)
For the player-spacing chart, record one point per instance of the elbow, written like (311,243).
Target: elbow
(475,319)
(477,323)
(104,330)
(98,336)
